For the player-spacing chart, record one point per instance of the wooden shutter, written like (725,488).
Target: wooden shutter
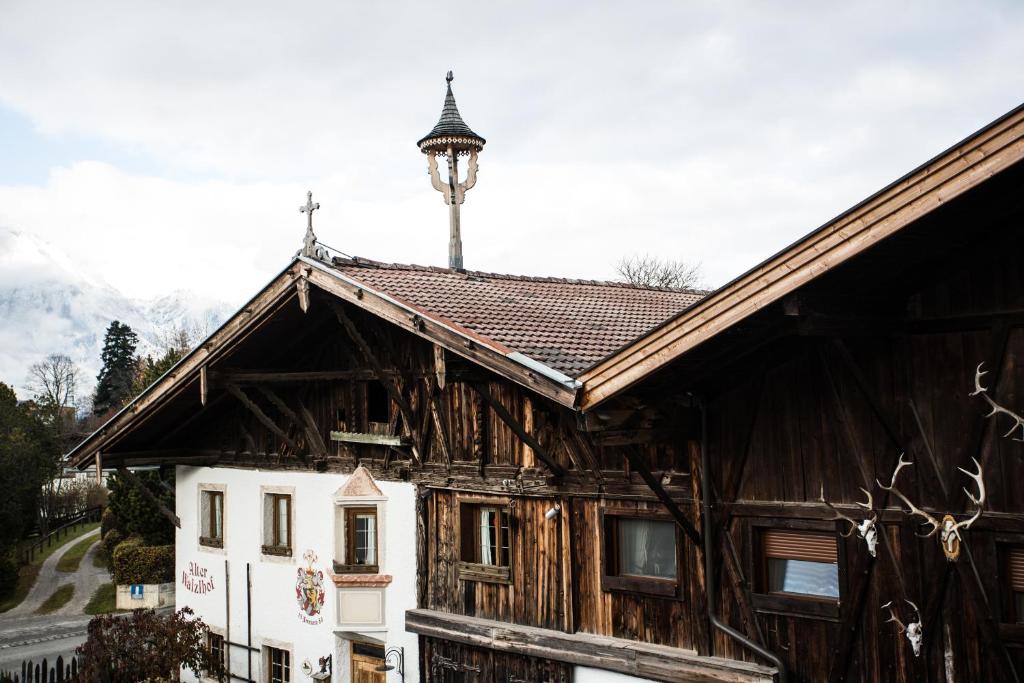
(790,544)
(1015,565)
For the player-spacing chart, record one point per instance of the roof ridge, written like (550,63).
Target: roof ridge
(362,262)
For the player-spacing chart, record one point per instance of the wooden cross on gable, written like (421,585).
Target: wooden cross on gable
(309,243)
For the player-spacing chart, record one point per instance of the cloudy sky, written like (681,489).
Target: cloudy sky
(169,145)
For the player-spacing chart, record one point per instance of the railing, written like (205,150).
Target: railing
(43,672)
(28,553)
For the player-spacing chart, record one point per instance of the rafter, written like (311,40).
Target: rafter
(261,416)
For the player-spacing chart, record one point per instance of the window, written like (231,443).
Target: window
(800,563)
(640,554)
(378,404)
(277,524)
(212,509)
(1015,578)
(279,665)
(215,646)
(360,551)
(484,541)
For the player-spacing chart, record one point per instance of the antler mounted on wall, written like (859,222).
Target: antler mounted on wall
(866,528)
(949,528)
(996,409)
(914,631)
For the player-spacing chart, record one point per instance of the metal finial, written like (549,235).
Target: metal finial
(450,77)
(309,242)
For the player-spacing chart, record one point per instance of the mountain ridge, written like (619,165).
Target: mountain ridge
(48,304)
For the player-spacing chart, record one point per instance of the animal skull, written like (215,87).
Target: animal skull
(948,529)
(866,528)
(914,631)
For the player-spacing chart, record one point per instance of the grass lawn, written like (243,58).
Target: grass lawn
(103,600)
(59,598)
(28,573)
(70,560)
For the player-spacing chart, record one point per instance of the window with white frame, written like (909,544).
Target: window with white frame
(361,540)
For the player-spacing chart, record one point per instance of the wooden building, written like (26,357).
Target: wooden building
(616,481)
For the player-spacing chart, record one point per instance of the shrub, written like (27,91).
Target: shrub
(109,522)
(111,540)
(144,646)
(137,563)
(9,566)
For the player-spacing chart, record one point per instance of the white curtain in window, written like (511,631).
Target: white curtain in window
(218,514)
(647,548)
(366,540)
(282,512)
(487,535)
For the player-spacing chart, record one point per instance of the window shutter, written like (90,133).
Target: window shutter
(800,545)
(1015,560)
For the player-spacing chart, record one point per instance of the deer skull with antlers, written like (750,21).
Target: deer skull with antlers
(949,529)
(996,409)
(914,631)
(865,528)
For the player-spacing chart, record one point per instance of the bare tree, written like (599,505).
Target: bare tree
(54,381)
(650,271)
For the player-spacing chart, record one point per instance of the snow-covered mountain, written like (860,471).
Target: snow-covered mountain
(49,305)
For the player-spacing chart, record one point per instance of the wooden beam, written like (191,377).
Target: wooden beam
(261,416)
(373,439)
(99,468)
(635,658)
(313,440)
(162,456)
(203,385)
(296,377)
(518,429)
(441,425)
(637,463)
(388,380)
(149,495)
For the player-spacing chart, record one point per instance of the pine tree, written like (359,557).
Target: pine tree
(114,383)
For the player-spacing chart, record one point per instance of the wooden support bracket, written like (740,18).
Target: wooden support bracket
(637,463)
(261,416)
(518,429)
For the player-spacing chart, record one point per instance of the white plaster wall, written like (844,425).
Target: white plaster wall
(585,674)
(275,613)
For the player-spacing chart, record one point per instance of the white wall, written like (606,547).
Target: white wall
(276,617)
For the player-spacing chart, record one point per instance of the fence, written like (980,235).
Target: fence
(28,552)
(43,672)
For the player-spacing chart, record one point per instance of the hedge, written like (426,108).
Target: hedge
(137,563)
(109,522)
(111,540)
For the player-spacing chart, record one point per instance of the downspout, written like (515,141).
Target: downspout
(709,570)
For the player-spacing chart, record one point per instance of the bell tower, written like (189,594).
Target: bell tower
(451,138)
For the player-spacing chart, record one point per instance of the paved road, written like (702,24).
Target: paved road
(87,579)
(37,636)
(25,635)
(50,579)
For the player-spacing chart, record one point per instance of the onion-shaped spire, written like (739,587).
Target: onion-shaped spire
(451,131)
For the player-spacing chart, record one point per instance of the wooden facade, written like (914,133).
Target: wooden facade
(814,394)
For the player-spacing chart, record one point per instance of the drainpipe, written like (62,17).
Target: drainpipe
(709,570)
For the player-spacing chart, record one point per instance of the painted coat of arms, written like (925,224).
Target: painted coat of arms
(309,590)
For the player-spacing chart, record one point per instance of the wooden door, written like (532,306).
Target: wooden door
(364,669)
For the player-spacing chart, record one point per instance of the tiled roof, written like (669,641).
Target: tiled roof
(568,325)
